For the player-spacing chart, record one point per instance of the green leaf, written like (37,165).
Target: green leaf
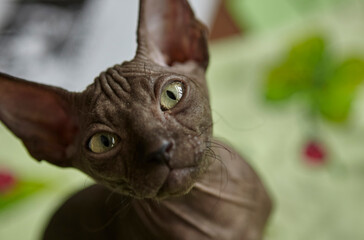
(283,82)
(297,73)
(308,53)
(335,104)
(337,94)
(350,72)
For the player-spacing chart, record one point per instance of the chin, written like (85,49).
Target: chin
(178,183)
(162,182)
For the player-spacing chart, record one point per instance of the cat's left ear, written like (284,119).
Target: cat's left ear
(41,116)
(169,34)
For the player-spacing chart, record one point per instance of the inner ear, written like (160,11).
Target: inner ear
(41,116)
(169,33)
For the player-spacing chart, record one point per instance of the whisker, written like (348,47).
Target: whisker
(238,129)
(210,153)
(216,144)
(205,129)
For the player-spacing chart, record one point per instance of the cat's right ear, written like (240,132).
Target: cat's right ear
(41,116)
(169,34)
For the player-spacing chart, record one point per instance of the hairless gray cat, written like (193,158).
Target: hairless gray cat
(143,132)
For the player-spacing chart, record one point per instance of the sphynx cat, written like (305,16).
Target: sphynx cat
(143,132)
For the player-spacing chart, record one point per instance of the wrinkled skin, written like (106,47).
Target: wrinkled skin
(178,182)
(130,107)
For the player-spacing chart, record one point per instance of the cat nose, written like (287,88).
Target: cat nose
(161,153)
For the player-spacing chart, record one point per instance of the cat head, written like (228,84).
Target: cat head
(142,128)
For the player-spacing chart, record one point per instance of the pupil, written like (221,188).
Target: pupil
(171,95)
(105,140)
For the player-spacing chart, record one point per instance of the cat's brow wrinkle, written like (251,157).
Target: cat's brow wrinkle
(136,69)
(112,89)
(106,87)
(117,89)
(123,82)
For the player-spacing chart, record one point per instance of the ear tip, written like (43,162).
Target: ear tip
(169,32)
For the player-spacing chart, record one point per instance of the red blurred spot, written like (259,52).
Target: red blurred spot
(7,181)
(314,153)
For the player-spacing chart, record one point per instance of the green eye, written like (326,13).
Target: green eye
(171,95)
(102,142)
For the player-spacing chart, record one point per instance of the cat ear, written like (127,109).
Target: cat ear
(41,116)
(169,33)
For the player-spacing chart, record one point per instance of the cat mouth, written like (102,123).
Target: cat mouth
(180,179)
(162,181)
(178,182)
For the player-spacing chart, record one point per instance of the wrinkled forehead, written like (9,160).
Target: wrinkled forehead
(121,85)
(133,73)
(118,88)
(135,76)
(136,82)
(140,68)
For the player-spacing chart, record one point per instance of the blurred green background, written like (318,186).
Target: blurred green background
(287,94)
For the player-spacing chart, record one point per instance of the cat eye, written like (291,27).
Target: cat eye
(102,142)
(171,95)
